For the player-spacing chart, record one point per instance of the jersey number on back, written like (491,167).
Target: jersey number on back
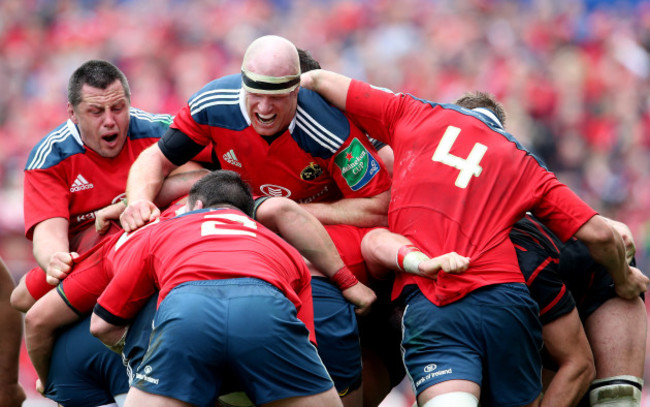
(468,166)
(214,227)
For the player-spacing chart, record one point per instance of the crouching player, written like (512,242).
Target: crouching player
(571,287)
(235,299)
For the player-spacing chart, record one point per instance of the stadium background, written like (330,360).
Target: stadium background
(573,77)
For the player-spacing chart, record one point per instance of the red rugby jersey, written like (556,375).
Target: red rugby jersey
(65,179)
(321,157)
(204,245)
(459,184)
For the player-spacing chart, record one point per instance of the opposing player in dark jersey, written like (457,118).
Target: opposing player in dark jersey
(556,274)
(219,274)
(460,182)
(571,287)
(287,142)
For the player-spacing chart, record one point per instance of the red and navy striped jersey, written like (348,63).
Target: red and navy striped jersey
(65,179)
(321,157)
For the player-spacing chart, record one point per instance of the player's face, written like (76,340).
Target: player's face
(103,118)
(270,114)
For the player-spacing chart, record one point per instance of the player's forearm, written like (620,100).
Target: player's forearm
(362,212)
(606,247)
(301,230)
(626,234)
(332,86)
(147,175)
(612,256)
(178,184)
(566,388)
(309,237)
(380,247)
(50,236)
(111,212)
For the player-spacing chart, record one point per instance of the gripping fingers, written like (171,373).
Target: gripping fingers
(455,263)
(138,214)
(53,280)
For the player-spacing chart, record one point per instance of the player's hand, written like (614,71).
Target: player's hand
(307,80)
(101,222)
(636,283)
(450,263)
(626,234)
(137,214)
(11,395)
(59,266)
(361,296)
(105,215)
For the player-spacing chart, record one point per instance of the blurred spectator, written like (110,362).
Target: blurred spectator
(574,76)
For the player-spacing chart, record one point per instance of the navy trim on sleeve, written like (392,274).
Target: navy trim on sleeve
(257,204)
(108,317)
(178,147)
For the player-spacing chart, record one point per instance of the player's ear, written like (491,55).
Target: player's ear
(71,114)
(198,205)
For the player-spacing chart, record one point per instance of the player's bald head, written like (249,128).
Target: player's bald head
(273,56)
(271,65)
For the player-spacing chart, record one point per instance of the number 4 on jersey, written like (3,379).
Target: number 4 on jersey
(468,166)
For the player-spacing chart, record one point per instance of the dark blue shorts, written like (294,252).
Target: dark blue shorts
(137,338)
(491,337)
(380,331)
(84,372)
(204,331)
(337,335)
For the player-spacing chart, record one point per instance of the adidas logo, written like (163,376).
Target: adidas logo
(80,184)
(231,158)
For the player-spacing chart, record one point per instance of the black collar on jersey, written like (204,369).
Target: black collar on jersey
(271,139)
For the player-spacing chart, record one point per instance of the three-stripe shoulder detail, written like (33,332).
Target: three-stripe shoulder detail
(212,98)
(46,147)
(150,117)
(317,132)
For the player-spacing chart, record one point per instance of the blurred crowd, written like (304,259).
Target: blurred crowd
(573,75)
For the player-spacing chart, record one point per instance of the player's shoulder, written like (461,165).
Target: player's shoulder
(147,125)
(60,144)
(217,104)
(320,128)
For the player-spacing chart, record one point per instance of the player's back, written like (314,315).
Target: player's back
(218,244)
(460,183)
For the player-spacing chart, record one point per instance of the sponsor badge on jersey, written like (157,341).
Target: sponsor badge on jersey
(357,165)
(311,172)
